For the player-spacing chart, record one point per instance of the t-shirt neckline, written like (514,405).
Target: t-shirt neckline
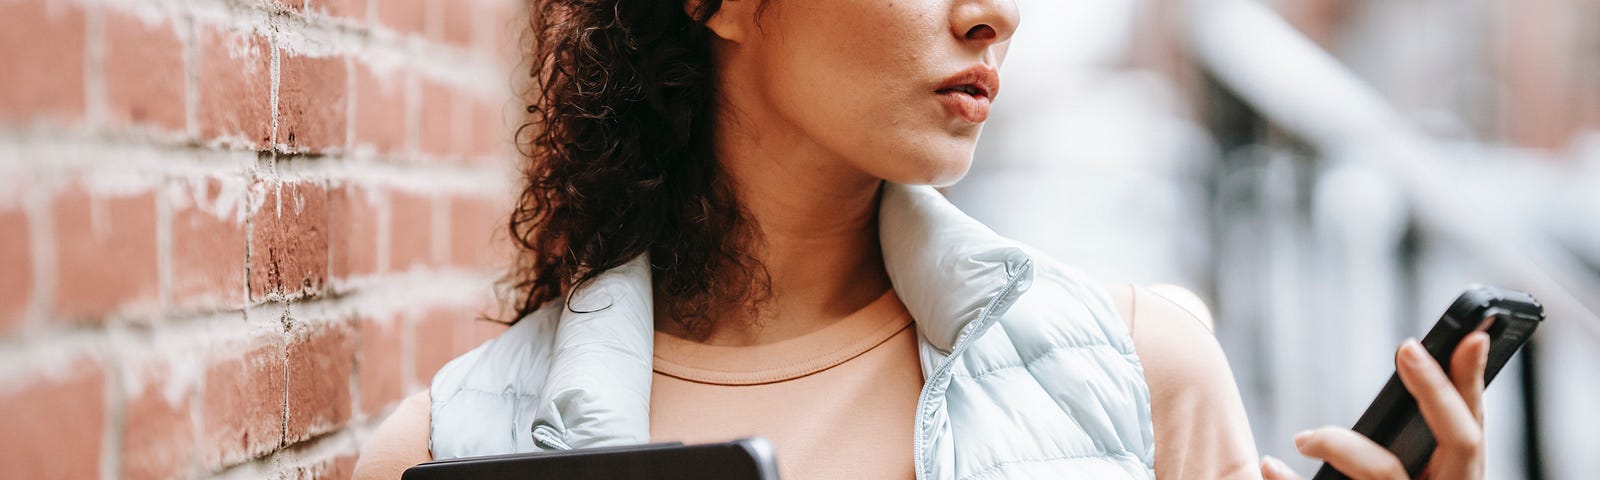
(787,359)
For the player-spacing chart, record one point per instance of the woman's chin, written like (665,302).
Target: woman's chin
(937,172)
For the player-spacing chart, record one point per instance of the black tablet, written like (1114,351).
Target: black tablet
(747,459)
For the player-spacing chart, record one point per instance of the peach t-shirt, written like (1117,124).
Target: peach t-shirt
(835,403)
(854,420)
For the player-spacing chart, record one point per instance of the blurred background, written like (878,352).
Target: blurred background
(234,233)
(1328,175)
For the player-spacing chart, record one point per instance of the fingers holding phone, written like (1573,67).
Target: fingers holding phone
(1451,404)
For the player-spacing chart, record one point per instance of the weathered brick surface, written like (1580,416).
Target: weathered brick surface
(16,279)
(411,233)
(43,62)
(235,86)
(321,361)
(477,231)
(380,108)
(352,10)
(439,121)
(289,242)
(158,433)
(145,64)
(311,102)
(233,234)
(491,134)
(208,242)
(457,24)
(242,404)
(62,412)
(380,360)
(353,231)
(105,251)
(405,16)
(436,341)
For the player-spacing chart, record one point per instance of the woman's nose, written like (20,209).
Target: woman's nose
(984,22)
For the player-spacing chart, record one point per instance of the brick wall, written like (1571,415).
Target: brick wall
(234,233)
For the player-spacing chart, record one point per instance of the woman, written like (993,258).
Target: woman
(717,240)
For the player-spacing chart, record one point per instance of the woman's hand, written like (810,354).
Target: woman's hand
(1452,406)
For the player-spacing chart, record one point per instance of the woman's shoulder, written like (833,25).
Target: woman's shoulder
(1199,419)
(400,442)
(1162,302)
(1171,330)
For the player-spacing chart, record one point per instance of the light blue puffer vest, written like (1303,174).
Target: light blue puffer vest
(1029,371)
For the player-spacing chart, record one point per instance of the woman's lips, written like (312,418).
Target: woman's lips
(969,108)
(967,93)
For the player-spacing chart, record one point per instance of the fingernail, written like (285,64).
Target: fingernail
(1413,352)
(1301,438)
(1277,466)
(1483,335)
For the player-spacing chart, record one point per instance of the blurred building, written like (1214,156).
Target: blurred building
(1328,175)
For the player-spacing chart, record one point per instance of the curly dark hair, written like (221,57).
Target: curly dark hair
(618,160)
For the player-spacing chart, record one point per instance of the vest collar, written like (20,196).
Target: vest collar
(946,266)
(948,269)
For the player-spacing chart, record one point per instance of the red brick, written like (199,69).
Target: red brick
(380,105)
(505,22)
(474,329)
(105,252)
(380,360)
(491,135)
(144,71)
(16,279)
(43,60)
(436,341)
(458,21)
(158,436)
(208,243)
(311,102)
(353,232)
(341,467)
(349,9)
(59,417)
(242,405)
(406,16)
(321,361)
(439,121)
(476,227)
(411,231)
(289,239)
(235,87)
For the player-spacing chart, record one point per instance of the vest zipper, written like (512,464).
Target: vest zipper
(548,438)
(962,341)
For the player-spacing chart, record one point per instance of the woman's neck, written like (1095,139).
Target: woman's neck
(816,218)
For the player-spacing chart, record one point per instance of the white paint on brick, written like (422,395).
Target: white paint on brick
(276,67)
(190,193)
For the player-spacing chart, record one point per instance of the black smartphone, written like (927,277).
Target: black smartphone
(745,459)
(1508,316)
